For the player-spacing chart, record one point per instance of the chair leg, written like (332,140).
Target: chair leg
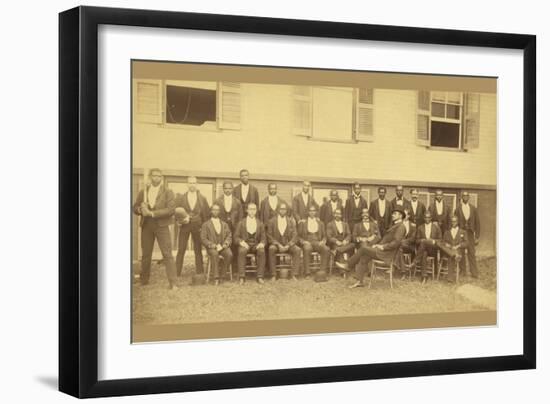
(371,273)
(438,270)
(391,276)
(457,272)
(208,266)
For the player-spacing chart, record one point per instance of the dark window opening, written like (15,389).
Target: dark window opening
(190,106)
(445,134)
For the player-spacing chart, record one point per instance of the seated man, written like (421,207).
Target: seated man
(216,237)
(455,240)
(282,238)
(339,236)
(365,233)
(250,239)
(408,244)
(385,250)
(312,237)
(428,236)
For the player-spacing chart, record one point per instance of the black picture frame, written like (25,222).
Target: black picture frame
(78,196)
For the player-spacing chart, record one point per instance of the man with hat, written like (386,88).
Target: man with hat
(385,250)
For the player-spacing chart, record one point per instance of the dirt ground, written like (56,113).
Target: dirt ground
(286,299)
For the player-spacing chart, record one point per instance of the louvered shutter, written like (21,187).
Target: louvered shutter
(229,105)
(148,101)
(364,115)
(423,118)
(301,110)
(471,121)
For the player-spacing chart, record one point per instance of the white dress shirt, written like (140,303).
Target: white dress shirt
(466,210)
(381,206)
(407,226)
(399,201)
(428,230)
(333,205)
(251,225)
(454,230)
(152,195)
(439,207)
(273,201)
(339,226)
(305,198)
(227,202)
(281,224)
(356,200)
(414,206)
(192,199)
(312,225)
(217,224)
(244,191)
(366,225)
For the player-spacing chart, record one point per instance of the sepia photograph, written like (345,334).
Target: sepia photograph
(271,201)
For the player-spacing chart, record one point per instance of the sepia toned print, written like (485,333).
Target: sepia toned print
(283,201)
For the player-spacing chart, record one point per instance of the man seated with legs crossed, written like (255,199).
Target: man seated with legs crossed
(428,237)
(312,237)
(385,250)
(250,239)
(282,238)
(216,237)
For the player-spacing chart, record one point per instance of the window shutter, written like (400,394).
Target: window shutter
(423,118)
(471,121)
(148,101)
(364,115)
(302,103)
(229,105)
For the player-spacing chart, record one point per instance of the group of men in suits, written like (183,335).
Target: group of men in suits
(238,224)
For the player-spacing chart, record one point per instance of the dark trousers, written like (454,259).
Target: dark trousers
(426,248)
(260,259)
(342,249)
(365,254)
(454,256)
(471,256)
(214,256)
(149,232)
(193,229)
(294,252)
(315,246)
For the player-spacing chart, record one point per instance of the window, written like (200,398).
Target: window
(340,114)
(188,104)
(447,120)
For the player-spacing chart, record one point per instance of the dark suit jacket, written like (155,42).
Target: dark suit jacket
(201,212)
(421,232)
(252,197)
(266,213)
(410,238)
(163,207)
(326,215)
(275,237)
(234,216)
(353,214)
(473,221)
(406,203)
(461,238)
(391,241)
(360,231)
(210,238)
(303,233)
(418,216)
(333,235)
(444,220)
(299,209)
(242,235)
(384,222)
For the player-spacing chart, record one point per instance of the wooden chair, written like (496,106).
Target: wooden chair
(443,268)
(250,264)
(431,265)
(282,261)
(409,264)
(315,262)
(209,267)
(386,268)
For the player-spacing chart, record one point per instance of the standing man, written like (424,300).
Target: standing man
(302,202)
(327,210)
(196,207)
(441,212)
(156,205)
(282,237)
(246,193)
(231,213)
(339,236)
(455,240)
(399,199)
(385,250)
(216,237)
(380,211)
(468,219)
(408,244)
(250,239)
(428,237)
(312,237)
(354,206)
(270,204)
(418,209)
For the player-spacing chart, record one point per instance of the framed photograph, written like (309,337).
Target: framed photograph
(250,201)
